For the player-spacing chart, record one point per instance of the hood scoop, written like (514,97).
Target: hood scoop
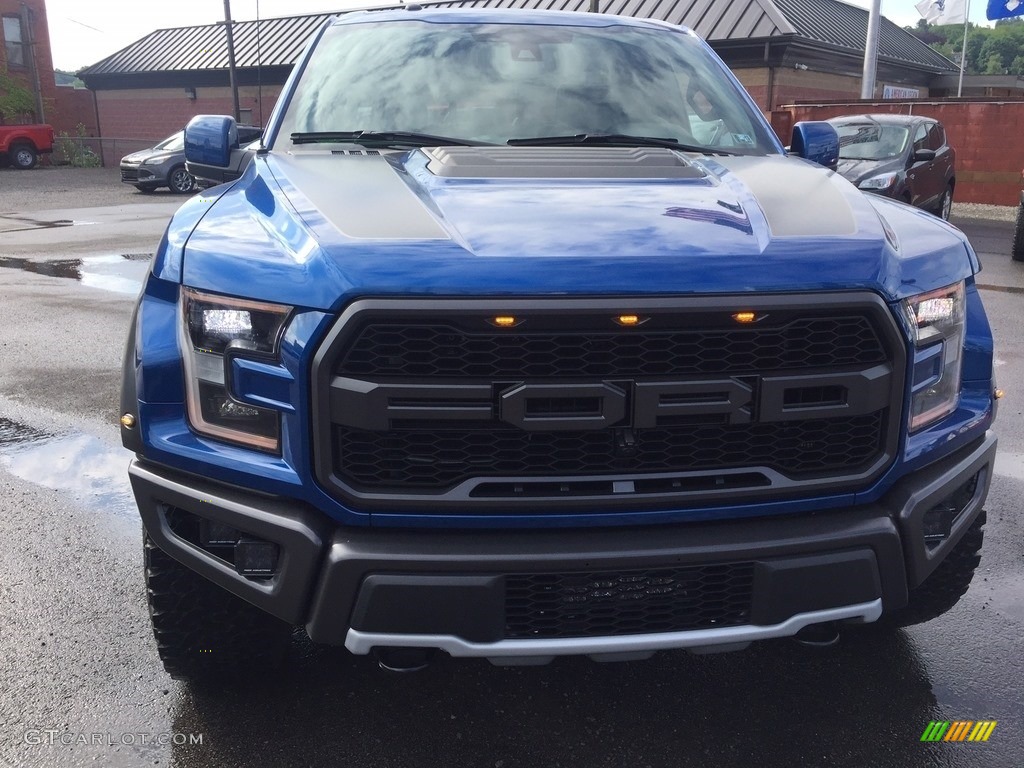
(559,163)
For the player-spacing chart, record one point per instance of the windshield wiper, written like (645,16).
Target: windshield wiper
(382,138)
(623,139)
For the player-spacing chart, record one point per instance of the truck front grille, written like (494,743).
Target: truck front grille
(552,605)
(426,406)
(435,350)
(440,458)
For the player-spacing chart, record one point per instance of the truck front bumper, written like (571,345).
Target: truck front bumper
(531,595)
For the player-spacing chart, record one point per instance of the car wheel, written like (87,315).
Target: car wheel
(23,156)
(180,181)
(204,632)
(946,203)
(144,189)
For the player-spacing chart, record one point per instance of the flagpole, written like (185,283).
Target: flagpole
(963,52)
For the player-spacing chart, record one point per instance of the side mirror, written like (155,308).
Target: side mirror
(209,140)
(924,155)
(816,141)
(211,149)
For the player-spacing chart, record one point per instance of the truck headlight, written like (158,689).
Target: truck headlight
(212,329)
(883,181)
(936,323)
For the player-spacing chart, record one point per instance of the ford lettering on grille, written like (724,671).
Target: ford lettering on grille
(550,407)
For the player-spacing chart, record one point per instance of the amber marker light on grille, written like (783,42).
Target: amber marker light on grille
(744,317)
(504,321)
(629,320)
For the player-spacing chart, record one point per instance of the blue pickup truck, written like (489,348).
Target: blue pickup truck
(521,335)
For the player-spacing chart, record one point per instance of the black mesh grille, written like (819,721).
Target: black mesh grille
(440,458)
(425,406)
(443,351)
(555,605)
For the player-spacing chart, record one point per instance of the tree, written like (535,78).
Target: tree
(15,98)
(989,50)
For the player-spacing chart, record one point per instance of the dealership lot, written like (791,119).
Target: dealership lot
(83,684)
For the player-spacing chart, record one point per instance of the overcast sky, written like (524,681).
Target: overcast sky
(83,33)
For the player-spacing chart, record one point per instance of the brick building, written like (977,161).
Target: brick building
(781,50)
(26,58)
(25,55)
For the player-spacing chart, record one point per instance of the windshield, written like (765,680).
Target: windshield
(175,143)
(495,82)
(871,141)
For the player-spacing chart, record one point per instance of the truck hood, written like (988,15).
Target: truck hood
(318,228)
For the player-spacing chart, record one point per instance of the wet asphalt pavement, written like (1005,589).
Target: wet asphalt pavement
(80,682)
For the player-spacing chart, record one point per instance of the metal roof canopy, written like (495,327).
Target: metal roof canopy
(198,55)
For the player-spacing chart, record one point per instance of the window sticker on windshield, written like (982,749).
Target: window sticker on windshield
(742,138)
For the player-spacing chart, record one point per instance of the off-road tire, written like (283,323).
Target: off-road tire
(1017,249)
(204,632)
(947,583)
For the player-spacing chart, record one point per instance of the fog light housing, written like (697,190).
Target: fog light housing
(255,557)
(937,523)
(216,534)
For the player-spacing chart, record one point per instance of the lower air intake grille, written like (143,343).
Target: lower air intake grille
(553,605)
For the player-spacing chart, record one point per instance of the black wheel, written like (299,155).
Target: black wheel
(945,204)
(204,632)
(1017,249)
(23,156)
(144,189)
(947,583)
(180,181)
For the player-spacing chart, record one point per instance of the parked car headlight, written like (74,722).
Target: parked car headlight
(882,181)
(936,323)
(213,329)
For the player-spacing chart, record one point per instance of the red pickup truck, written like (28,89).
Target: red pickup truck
(21,145)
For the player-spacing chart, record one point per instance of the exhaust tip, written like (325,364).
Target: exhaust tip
(404,659)
(823,635)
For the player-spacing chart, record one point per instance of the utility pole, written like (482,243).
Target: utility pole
(867,83)
(231,59)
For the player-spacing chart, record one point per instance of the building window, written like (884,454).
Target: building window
(245,116)
(13,43)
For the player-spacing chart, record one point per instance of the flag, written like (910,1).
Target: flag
(1004,9)
(943,11)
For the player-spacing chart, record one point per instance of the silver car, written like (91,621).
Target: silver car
(164,164)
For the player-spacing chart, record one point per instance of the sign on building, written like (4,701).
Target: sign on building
(896,92)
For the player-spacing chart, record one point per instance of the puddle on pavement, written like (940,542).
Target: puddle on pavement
(92,470)
(120,273)
(14,433)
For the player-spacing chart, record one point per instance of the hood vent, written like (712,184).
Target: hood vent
(366,152)
(560,163)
